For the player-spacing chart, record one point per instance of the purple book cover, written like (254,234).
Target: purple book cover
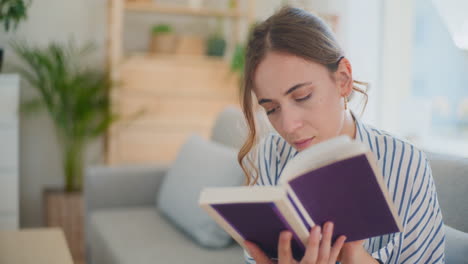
(260,223)
(348,194)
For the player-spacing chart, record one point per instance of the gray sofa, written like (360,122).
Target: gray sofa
(124,227)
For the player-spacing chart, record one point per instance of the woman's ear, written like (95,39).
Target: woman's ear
(344,75)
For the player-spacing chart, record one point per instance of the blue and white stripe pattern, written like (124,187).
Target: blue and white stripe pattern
(408,176)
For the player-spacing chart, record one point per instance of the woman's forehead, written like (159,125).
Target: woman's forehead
(280,71)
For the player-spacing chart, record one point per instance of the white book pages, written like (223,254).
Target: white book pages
(320,155)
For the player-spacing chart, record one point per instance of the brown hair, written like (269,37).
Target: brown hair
(294,31)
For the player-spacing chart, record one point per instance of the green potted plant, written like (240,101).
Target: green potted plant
(162,39)
(215,44)
(76,97)
(11,14)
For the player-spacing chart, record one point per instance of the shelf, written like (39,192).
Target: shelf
(180,10)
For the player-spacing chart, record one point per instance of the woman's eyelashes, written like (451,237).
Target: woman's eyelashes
(268,112)
(303,98)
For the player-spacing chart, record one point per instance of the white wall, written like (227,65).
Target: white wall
(396,60)
(360,34)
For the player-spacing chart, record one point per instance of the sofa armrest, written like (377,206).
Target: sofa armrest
(122,186)
(456,245)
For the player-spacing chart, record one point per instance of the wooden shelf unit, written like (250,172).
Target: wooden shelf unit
(162,99)
(182,10)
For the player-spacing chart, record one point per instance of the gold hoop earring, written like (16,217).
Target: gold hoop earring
(345,102)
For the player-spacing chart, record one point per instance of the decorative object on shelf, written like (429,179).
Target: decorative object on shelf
(215,44)
(11,14)
(163,39)
(190,45)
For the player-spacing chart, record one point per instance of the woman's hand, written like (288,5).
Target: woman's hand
(317,251)
(354,253)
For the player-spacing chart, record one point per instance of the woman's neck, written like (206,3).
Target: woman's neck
(349,125)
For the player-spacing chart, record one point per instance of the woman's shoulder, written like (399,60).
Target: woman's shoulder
(386,145)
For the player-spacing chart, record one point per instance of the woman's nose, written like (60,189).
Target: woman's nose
(291,121)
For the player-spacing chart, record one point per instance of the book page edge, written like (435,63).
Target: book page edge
(384,189)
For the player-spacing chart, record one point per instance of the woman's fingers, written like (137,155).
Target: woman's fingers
(313,243)
(284,247)
(257,254)
(325,244)
(319,248)
(336,249)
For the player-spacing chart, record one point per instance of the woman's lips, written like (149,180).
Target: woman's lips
(302,144)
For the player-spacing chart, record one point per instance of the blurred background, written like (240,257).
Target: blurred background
(174,65)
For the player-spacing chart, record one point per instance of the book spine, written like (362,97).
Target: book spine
(300,210)
(299,213)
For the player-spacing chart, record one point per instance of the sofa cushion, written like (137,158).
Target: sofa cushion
(141,235)
(451,179)
(230,127)
(199,163)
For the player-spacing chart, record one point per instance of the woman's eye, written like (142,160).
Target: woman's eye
(303,98)
(268,112)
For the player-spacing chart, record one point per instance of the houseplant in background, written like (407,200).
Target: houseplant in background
(162,39)
(215,44)
(11,14)
(76,96)
(238,61)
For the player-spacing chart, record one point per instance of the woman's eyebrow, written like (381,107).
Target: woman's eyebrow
(290,90)
(297,86)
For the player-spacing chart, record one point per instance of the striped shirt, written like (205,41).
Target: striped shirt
(408,177)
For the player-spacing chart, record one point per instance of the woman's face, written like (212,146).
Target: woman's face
(303,100)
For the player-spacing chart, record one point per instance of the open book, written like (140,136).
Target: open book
(337,180)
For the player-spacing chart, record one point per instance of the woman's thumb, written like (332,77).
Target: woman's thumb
(256,253)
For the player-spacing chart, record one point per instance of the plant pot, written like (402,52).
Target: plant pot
(1,59)
(190,45)
(215,47)
(65,210)
(163,43)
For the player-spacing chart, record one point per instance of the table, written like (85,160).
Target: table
(34,246)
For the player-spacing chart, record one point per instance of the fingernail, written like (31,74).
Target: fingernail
(329,227)
(317,229)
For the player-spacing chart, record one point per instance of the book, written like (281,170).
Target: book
(336,180)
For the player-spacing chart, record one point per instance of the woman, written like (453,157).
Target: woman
(301,78)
